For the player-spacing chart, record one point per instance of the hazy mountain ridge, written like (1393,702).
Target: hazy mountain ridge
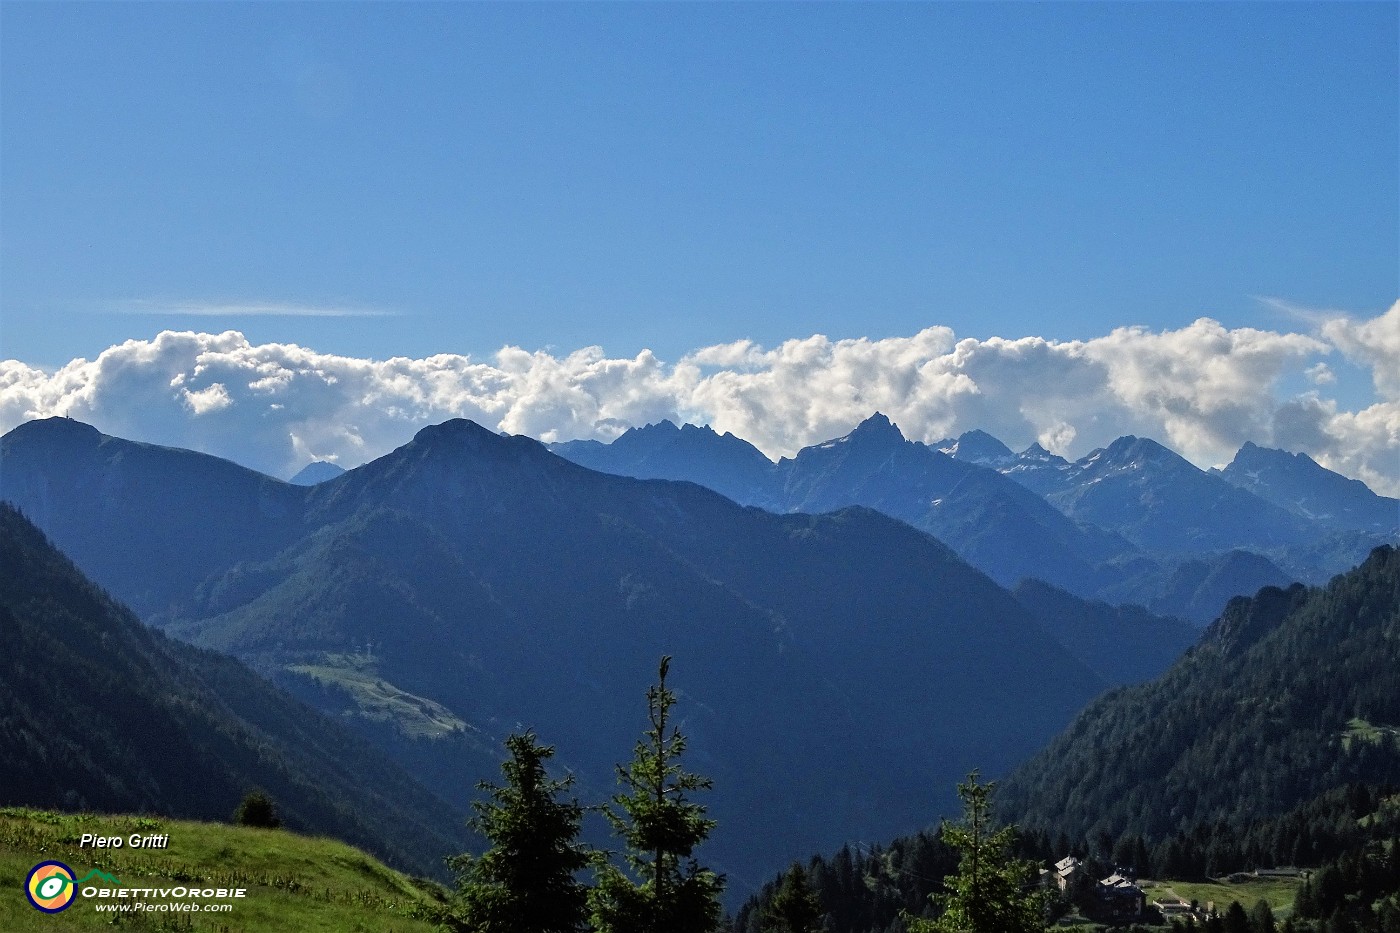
(1125,644)
(727,464)
(991,522)
(134,493)
(1130,523)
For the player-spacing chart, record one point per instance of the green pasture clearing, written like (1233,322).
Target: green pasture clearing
(1359,730)
(381,701)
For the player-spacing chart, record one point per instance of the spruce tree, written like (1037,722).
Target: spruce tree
(525,883)
(992,890)
(1236,918)
(795,907)
(667,890)
(1261,918)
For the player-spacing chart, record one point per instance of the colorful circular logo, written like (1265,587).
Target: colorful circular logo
(50,887)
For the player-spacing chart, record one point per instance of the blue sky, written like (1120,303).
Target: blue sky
(441,181)
(672,176)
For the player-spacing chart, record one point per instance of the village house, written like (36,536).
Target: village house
(1066,872)
(1119,898)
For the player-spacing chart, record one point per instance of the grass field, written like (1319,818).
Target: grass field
(1279,892)
(294,883)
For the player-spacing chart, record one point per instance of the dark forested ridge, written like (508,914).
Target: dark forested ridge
(1290,694)
(99,712)
(476,578)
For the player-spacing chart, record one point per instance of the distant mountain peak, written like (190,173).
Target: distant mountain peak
(689,428)
(1130,449)
(454,430)
(664,426)
(977,446)
(1034,457)
(460,440)
(1298,483)
(317,471)
(1124,443)
(877,426)
(1252,456)
(58,426)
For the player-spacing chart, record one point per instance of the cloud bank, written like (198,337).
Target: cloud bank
(1202,389)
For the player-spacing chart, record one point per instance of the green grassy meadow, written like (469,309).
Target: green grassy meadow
(1279,892)
(294,883)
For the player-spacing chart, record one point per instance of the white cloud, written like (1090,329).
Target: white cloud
(1203,389)
(212,398)
(1374,343)
(1320,374)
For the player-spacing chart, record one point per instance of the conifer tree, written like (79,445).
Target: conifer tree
(1261,918)
(525,883)
(257,809)
(667,891)
(795,907)
(1236,918)
(992,890)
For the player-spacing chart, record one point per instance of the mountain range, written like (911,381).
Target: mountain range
(488,583)
(1297,483)
(1130,523)
(470,584)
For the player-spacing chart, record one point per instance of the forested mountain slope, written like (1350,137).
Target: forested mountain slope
(99,712)
(1290,693)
